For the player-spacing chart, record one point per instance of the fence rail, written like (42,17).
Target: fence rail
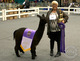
(1,13)
(37,10)
(5,15)
(68,10)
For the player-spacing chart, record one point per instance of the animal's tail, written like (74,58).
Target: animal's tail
(14,35)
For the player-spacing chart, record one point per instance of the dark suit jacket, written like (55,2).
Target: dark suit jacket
(47,18)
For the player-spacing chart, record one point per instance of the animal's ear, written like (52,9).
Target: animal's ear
(43,15)
(39,16)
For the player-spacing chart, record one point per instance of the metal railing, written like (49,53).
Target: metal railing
(68,10)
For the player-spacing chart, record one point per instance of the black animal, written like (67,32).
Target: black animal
(36,39)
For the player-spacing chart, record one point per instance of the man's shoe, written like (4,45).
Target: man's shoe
(51,53)
(58,54)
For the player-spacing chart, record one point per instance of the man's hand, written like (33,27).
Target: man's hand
(62,21)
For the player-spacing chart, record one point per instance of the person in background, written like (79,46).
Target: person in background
(53,30)
(1,1)
(26,4)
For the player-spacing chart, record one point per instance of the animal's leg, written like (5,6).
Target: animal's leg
(33,52)
(21,50)
(16,51)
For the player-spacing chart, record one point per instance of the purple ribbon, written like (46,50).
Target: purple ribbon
(62,41)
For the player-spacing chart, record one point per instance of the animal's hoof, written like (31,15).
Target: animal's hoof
(18,56)
(23,52)
(33,57)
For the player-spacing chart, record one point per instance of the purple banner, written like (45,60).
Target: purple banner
(62,41)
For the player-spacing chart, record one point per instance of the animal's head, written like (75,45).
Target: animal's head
(42,18)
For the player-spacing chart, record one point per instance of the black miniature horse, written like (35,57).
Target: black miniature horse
(36,39)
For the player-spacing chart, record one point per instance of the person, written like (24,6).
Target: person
(66,3)
(26,4)
(53,29)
